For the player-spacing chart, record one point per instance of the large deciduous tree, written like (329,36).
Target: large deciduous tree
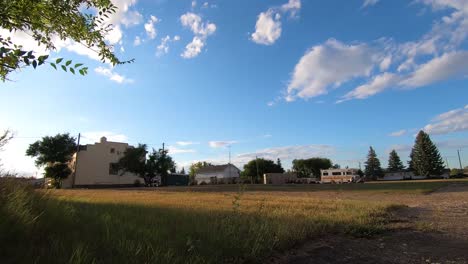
(311,167)
(425,157)
(147,166)
(195,167)
(257,167)
(55,153)
(394,162)
(46,21)
(373,169)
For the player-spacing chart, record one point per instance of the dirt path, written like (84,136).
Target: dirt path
(432,229)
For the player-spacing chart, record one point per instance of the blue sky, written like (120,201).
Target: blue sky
(283,78)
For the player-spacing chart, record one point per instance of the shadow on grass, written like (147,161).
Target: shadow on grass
(398,187)
(38,229)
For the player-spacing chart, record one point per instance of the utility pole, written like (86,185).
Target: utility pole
(163,147)
(459,160)
(229,164)
(256,163)
(76,160)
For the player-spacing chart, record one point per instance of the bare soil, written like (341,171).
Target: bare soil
(431,228)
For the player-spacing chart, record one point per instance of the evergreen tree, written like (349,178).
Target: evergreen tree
(410,161)
(425,157)
(278,162)
(394,162)
(182,171)
(373,169)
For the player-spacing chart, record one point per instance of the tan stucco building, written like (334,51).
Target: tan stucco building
(96,166)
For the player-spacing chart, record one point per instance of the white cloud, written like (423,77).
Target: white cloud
(124,15)
(137,41)
(186,143)
(384,64)
(376,85)
(292,6)
(448,65)
(268,26)
(193,48)
(132,18)
(92,137)
(194,4)
(398,133)
(149,27)
(176,150)
(329,65)
(13,158)
(200,29)
(369,3)
(163,47)
(449,122)
(220,144)
(443,144)
(288,153)
(113,76)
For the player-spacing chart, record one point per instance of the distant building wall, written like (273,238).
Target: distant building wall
(399,175)
(175,179)
(279,178)
(96,165)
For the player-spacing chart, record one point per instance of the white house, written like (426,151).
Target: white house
(95,166)
(227,173)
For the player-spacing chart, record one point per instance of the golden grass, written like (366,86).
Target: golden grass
(187,225)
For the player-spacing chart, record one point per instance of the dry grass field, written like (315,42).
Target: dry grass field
(202,224)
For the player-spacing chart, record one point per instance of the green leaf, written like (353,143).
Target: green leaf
(53,65)
(78,65)
(64,68)
(72,70)
(68,63)
(81,72)
(34,63)
(59,60)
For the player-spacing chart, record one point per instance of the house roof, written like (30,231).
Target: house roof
(215,168)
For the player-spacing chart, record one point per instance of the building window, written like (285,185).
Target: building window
(325,174)
(336,173)
(349,173)
(112,150)
(113,169)
(83,147)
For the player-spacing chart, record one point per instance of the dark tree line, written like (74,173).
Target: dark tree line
(311,167)
(255,169)
(425,160)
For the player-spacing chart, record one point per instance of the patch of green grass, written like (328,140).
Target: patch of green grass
(114,226)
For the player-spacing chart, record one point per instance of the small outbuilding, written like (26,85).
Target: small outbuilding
(279,178)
